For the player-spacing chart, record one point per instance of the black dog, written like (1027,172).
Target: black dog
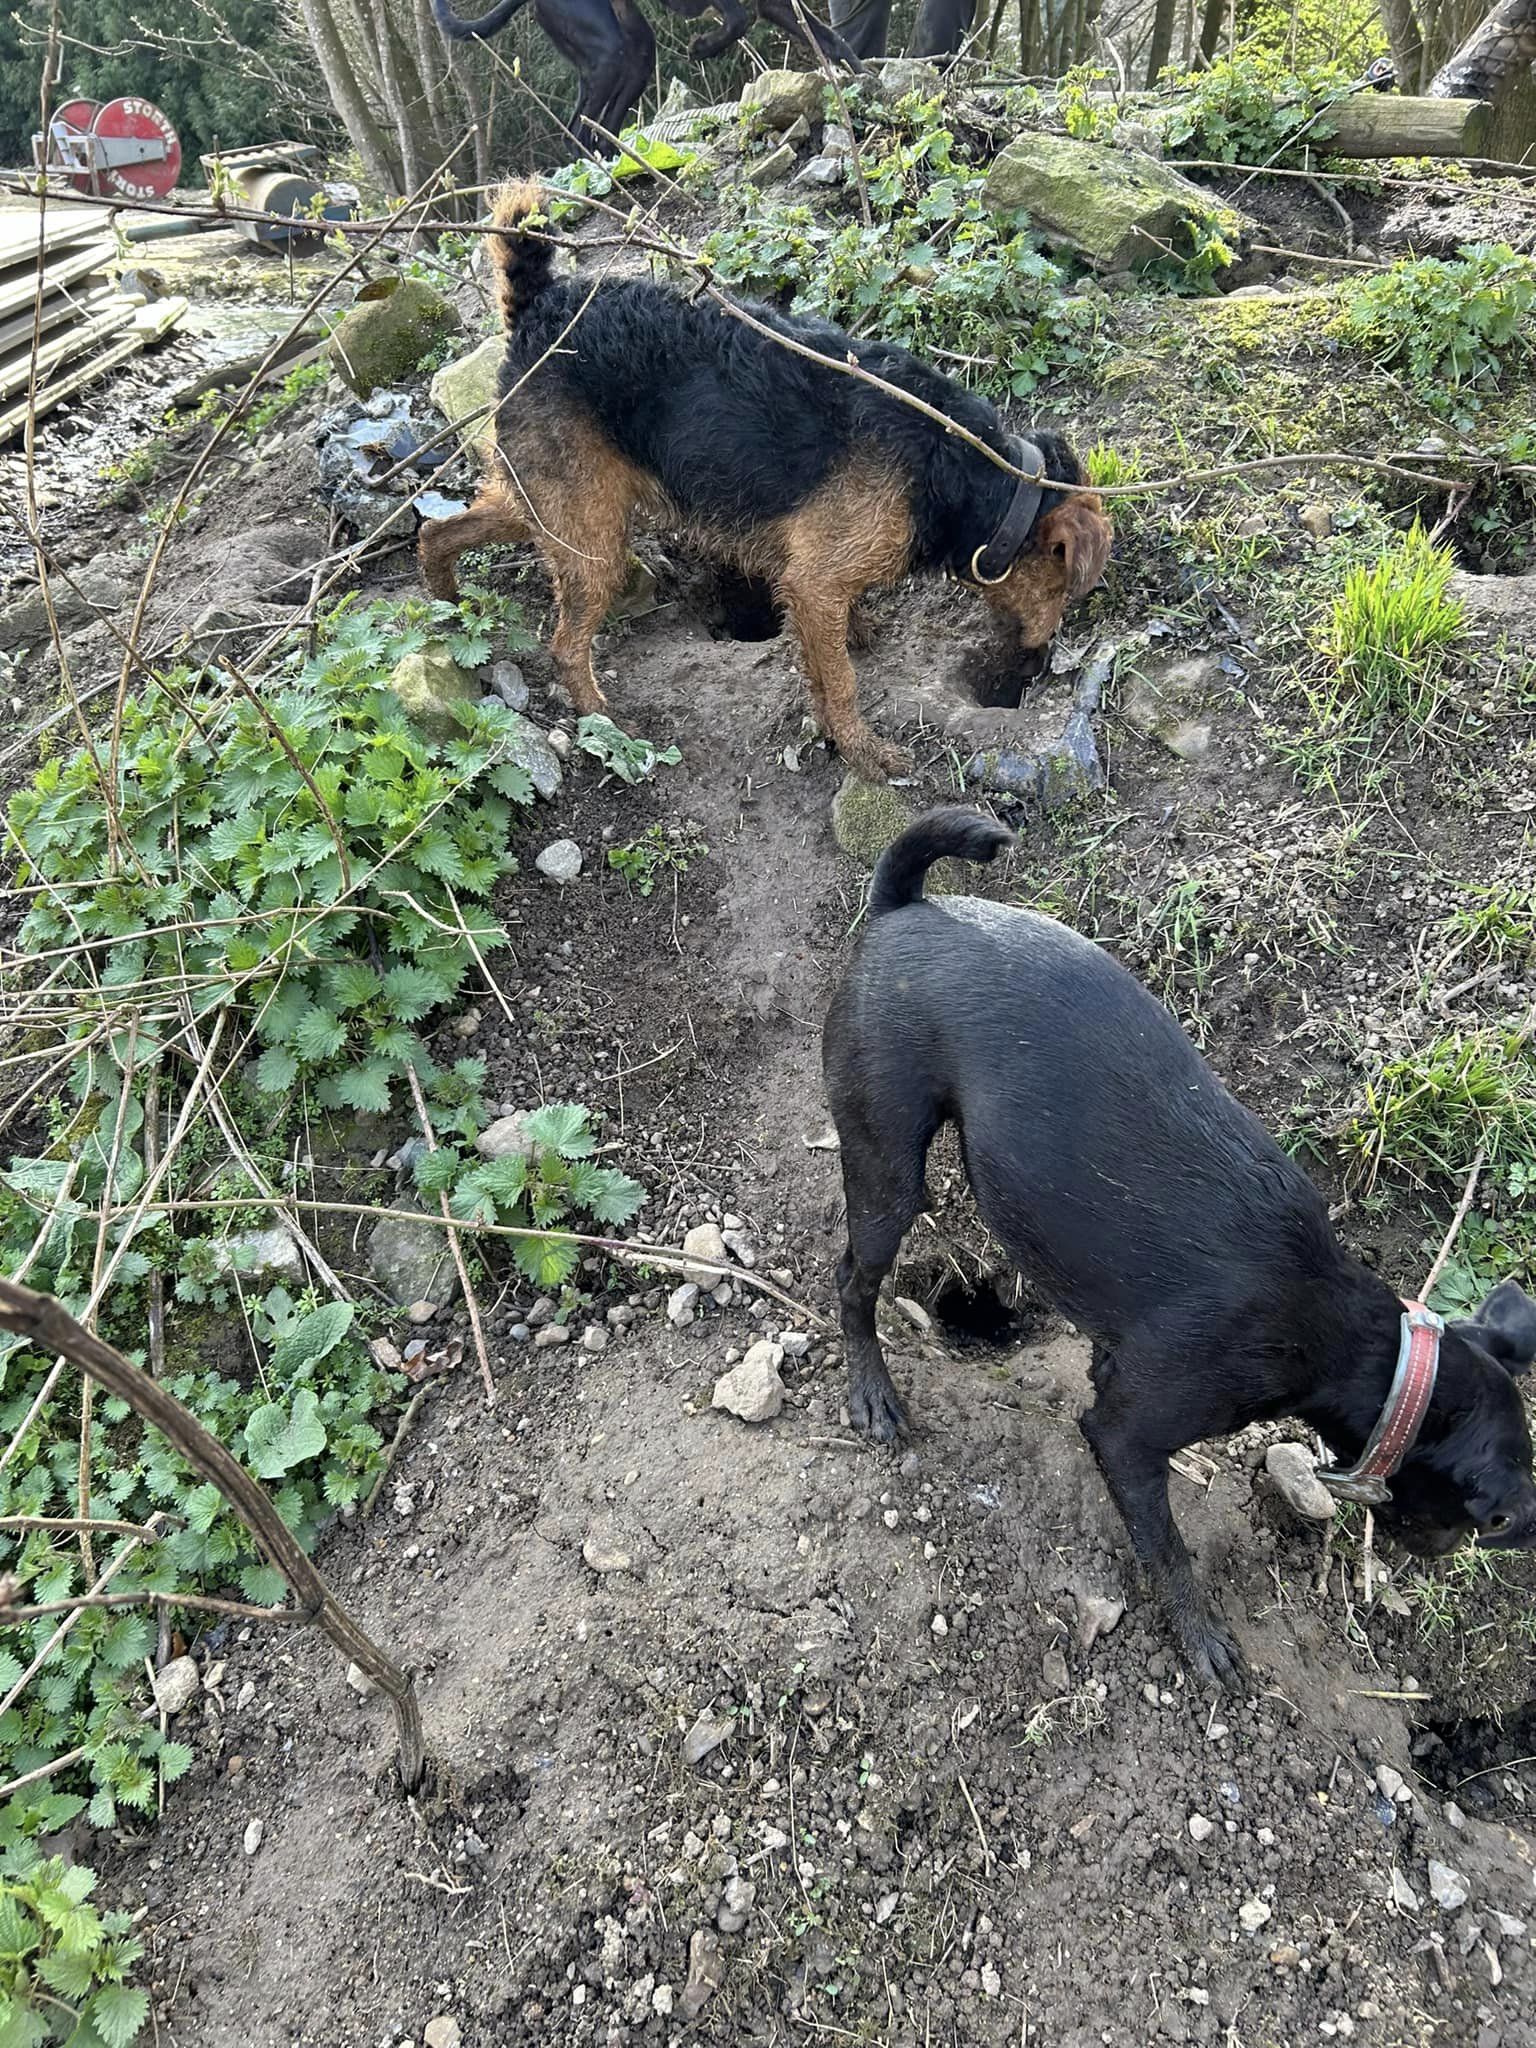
(1155,1211)
(610,45)
(939,31)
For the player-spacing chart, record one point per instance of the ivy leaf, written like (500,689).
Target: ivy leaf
(277,1439)
(310,1339)
(276,1070)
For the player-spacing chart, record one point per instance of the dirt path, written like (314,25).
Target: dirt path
(939,1809)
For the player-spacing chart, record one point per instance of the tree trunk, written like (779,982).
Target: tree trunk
(1210,29)
(1494,57)
(348,98)
(1162,38)
(1405,39)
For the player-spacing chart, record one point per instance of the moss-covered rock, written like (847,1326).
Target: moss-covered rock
(780,98)
(1119,210)
(384,339)
(868,816)
(465,390)
(429,684)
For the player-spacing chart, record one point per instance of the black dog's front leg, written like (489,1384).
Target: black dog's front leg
(1137,1476)
(874,1406)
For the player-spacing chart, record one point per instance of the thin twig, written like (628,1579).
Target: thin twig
(394,1450)
(471,1301)
(1449,1240)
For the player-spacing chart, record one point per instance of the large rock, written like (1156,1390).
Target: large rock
(97,587)
(753,1390)
(465,390)
(429,685)
(384,339)
(521,743)
(1119,210)
(780,98)
(411,1261)
(896,77)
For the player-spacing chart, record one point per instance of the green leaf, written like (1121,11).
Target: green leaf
(610,1196)
(563,1127)
(436,1172)
(175,1760)
(366,1088)
(21,2025)
(278,1438)
(319,1035)
(411,992)
(311,1338)
(276,1070)
(351,984)
(202,1507)
(264,1584)
(118,2012)
(19,1934)
(547,1261)
(71,1975)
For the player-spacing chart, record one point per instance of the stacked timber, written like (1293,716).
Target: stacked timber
(63,324)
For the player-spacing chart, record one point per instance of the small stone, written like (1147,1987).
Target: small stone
(246,1694)
(782,97)
(507,682)
(704,1242)
(915,1314)
(1391,1783)
(1447,1887)
(1098,1614)
(1511,1928)
(662,2000)
(506,1138)
(706,1736)
(1285,1957)
(1401,1893)
(1053,1668)
(1201,1830)
(772,169)
(939,1625)
(421,1312)
(441,2032)
(752,1390)
(254,1831)
(836,140)
(706,1973)
(1295,1479)
(560,743)
(360,1682)
(680,1305)
(1454,1817)
(177,1684)
(433,690)
(1254,1914)
(598,1558)
(560,861)
(550,1336)
(594,1339)
(735,1905)
(885,1906)
(260,1254)
(1316,520)
(991,1981)
(795,1343)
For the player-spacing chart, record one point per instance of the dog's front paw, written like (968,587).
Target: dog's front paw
(1212,1653)
(874,1407)
(875,760)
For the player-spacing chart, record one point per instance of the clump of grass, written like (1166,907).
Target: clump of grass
(1427,1113)
(1496,922)
(1388,633)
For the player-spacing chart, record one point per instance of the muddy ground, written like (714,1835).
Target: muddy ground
(756,1735)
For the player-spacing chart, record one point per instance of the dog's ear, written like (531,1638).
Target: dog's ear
(1078,536)
(1505,1326)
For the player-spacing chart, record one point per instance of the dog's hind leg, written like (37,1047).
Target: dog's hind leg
(883,1157)
(585,545)
(1135,1467)
(492,520)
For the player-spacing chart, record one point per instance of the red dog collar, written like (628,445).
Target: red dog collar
(1397,1427)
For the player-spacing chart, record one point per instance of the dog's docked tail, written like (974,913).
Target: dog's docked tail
(940,835)
(522,265)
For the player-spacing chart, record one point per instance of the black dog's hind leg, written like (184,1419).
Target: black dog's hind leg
(634,73)
(785,15)
(1136,1470)
(589,38)
(885,1189)
(734,24)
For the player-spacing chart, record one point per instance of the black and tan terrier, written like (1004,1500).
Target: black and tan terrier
(625,399)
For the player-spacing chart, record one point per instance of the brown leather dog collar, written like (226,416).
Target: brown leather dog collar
(994,558)
(1398,1425)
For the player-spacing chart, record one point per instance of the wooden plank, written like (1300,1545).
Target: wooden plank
(150,324)
(16,368)
(17,331)
(61,225)
(18,288)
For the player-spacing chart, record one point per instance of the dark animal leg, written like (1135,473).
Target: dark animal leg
(634,73)
(1136,1471)
(734,24)
(785,15)
(589,38)
(883,1182)
(863,25)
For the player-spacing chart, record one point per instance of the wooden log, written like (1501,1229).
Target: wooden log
(1373,124)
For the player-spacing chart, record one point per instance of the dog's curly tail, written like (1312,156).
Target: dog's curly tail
(522,265)
(950,834)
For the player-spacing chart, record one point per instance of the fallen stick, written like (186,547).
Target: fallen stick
(49,1326)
